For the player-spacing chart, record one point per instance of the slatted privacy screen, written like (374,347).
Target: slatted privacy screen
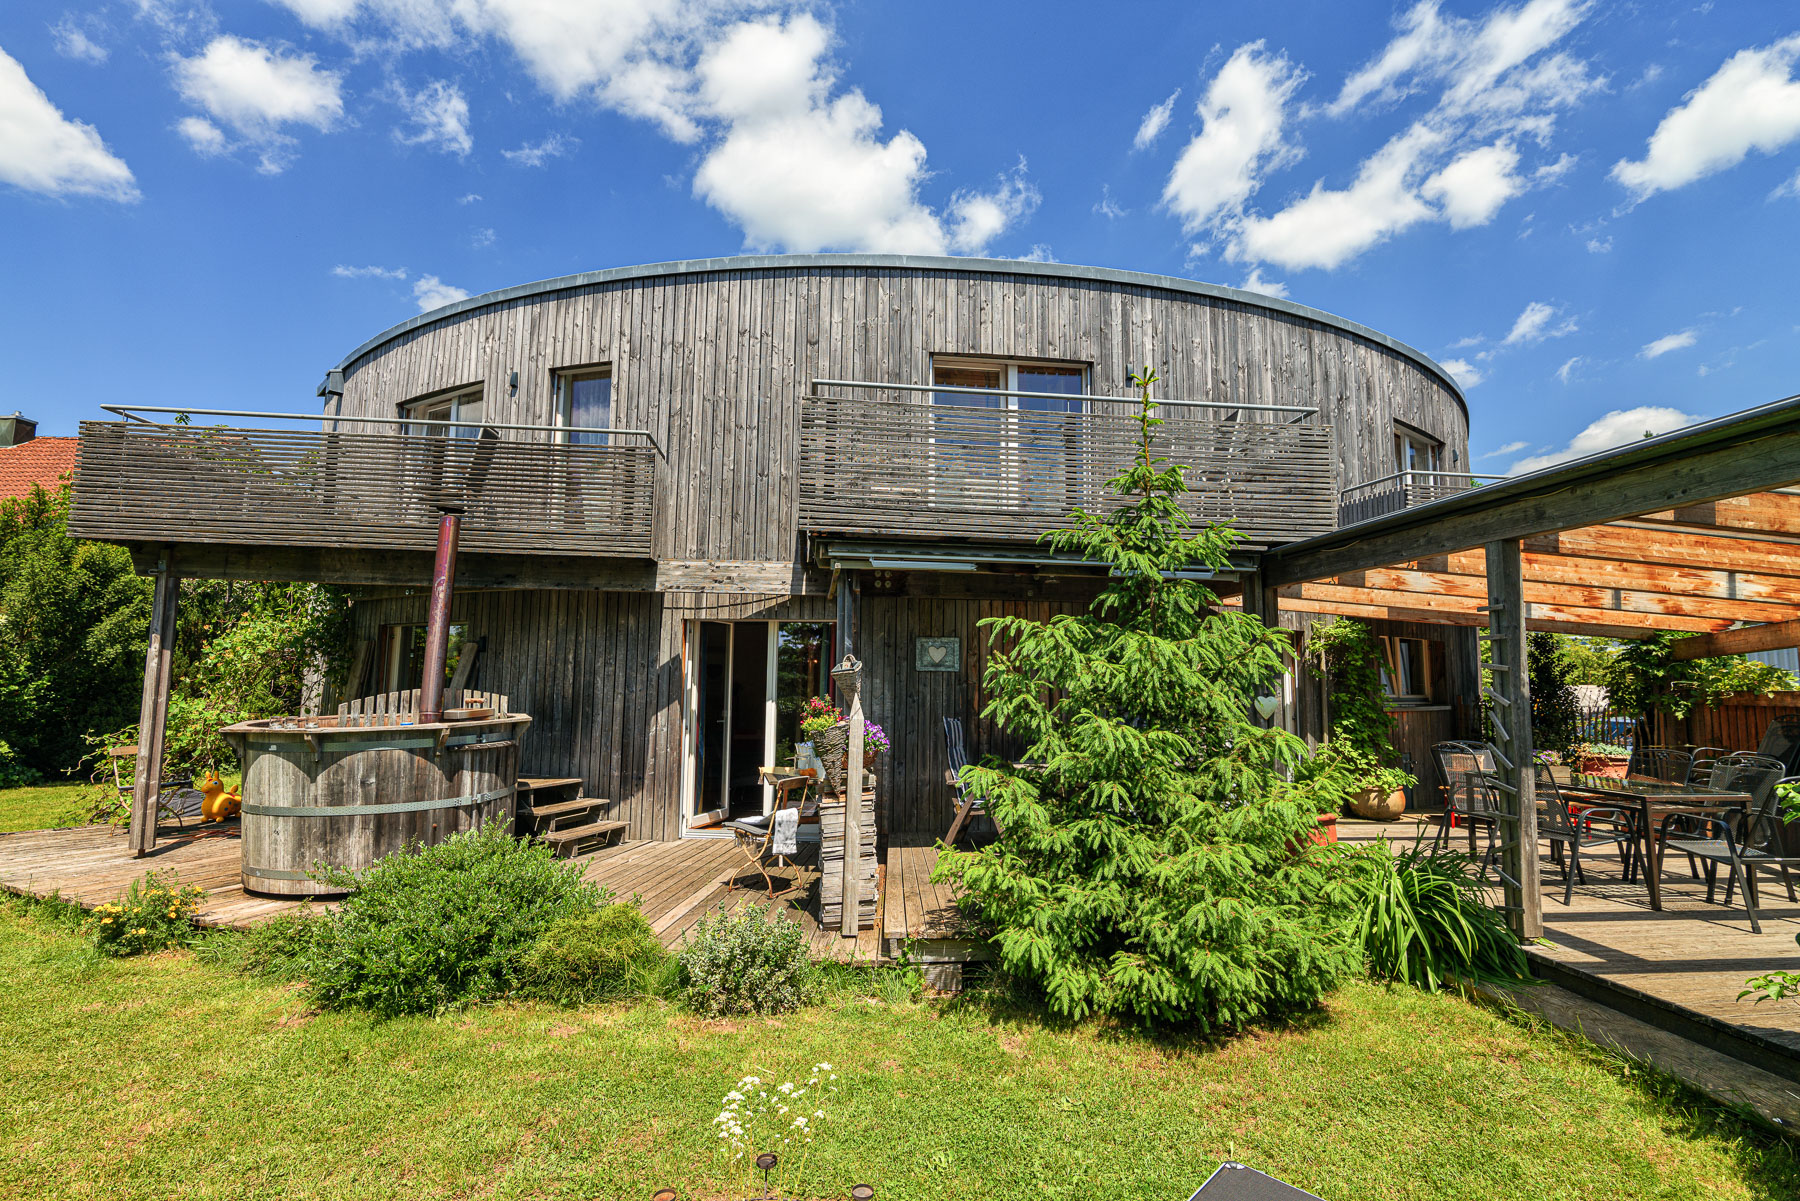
(176,483)
(934,470)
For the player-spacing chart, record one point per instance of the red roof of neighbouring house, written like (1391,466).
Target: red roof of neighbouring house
(40,461)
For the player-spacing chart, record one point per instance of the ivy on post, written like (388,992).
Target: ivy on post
(1510,717)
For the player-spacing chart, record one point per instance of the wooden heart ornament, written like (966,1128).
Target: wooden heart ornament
(1266,706)
(936,651)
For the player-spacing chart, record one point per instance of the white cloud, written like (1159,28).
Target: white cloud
(72,41)
(45,152)
(1499,86)
(1254,282)
(1534,325)
(440,117)
(1106,206)
(1464,372)
(203,136)
(1599,245)
(1475,186)
(1511,448)
(482,238)
(258,92)
(1568,368)
(802,168)
(1680,340)
(1329,228)
(1621,427)
(1750,103)
(433,293)
(470,198)
(1039,253)
(792,156)
(343,272)
(528,155)
(1154,122)
(1240,138)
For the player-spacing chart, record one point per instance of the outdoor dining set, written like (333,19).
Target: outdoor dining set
(1712,807)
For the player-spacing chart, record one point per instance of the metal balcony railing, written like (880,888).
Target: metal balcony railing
(1403,490)
(927,461)
(142,481)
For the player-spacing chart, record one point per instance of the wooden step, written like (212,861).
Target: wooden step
(545,783)
(556,809)
(577,840)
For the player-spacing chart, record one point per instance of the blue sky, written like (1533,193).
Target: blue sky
(1588,210)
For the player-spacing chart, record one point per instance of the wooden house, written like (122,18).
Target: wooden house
(691,487)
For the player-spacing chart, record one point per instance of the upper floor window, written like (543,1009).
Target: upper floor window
(1059,380)
(584,405)
(1414,451)
(461,405)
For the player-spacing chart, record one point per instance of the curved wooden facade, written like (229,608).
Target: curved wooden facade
(716,360)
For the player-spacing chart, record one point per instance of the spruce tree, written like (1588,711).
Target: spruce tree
(1155,859)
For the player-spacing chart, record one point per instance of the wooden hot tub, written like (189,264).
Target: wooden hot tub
(320,792)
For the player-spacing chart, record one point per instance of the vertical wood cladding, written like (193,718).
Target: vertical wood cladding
(715,364)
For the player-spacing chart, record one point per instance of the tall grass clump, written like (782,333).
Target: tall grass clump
(598,955)
(442,926)
(1423,919)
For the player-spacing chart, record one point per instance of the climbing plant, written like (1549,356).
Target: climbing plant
(1150,862)
(1358,753)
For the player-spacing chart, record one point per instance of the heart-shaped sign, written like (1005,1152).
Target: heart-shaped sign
(937,651)
(1266,705)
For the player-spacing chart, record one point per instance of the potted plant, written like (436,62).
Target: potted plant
(1358,759)
(820,715)
(1599,759)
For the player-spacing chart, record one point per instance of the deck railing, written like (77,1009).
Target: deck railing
(1403,490)
(898,463)
(146,482)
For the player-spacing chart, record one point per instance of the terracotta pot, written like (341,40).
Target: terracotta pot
(1323,836)
(1372,804)
(1611,767)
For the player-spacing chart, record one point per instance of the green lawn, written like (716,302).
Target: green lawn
(169,1076)
(39,807)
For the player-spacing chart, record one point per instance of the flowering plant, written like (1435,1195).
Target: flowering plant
(780,1120)
(875,740)
(155,913)
(817,716)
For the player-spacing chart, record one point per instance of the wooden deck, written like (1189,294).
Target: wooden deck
(1691,955)
(674,883)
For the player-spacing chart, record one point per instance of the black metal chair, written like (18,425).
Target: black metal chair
(1701,761)
(1665,763)
(1458,763)
(1757,848)
(1574,832)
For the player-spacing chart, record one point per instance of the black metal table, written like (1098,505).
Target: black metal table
(1652,800)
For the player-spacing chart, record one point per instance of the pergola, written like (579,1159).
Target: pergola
(1696,531)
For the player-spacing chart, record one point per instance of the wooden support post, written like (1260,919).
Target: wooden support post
(1507,649)
(848,674)
(153,713)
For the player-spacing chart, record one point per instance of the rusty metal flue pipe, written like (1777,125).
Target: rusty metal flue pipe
(437,628)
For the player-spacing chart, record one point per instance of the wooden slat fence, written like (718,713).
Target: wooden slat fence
(176,483)
(883,467)
(1737,723)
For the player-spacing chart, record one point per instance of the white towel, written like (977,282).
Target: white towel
(787,831)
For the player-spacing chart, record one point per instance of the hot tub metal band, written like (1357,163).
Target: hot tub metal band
(372,810)
(353,744)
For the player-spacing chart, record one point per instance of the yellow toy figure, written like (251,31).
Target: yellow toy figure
(219,805)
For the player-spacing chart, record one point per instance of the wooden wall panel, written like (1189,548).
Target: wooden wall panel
(716,365)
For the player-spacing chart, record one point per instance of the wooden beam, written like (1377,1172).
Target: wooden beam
(1774,636)
(1766,512)
(1670,547)
(1534,623)
(1753,452)
(1448,585)
(1511,722)
(1425,601)
(1685,580)
(153,712)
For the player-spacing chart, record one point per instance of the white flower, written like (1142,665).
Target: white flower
(818,1113)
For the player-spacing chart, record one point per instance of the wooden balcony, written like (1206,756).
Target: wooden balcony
(911,468)
(149,483)
(1403,490)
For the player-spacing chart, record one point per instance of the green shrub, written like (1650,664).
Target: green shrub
(442,926)
(594,956)
(1424,920)
(749,961)
(155,913)
(276,949)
